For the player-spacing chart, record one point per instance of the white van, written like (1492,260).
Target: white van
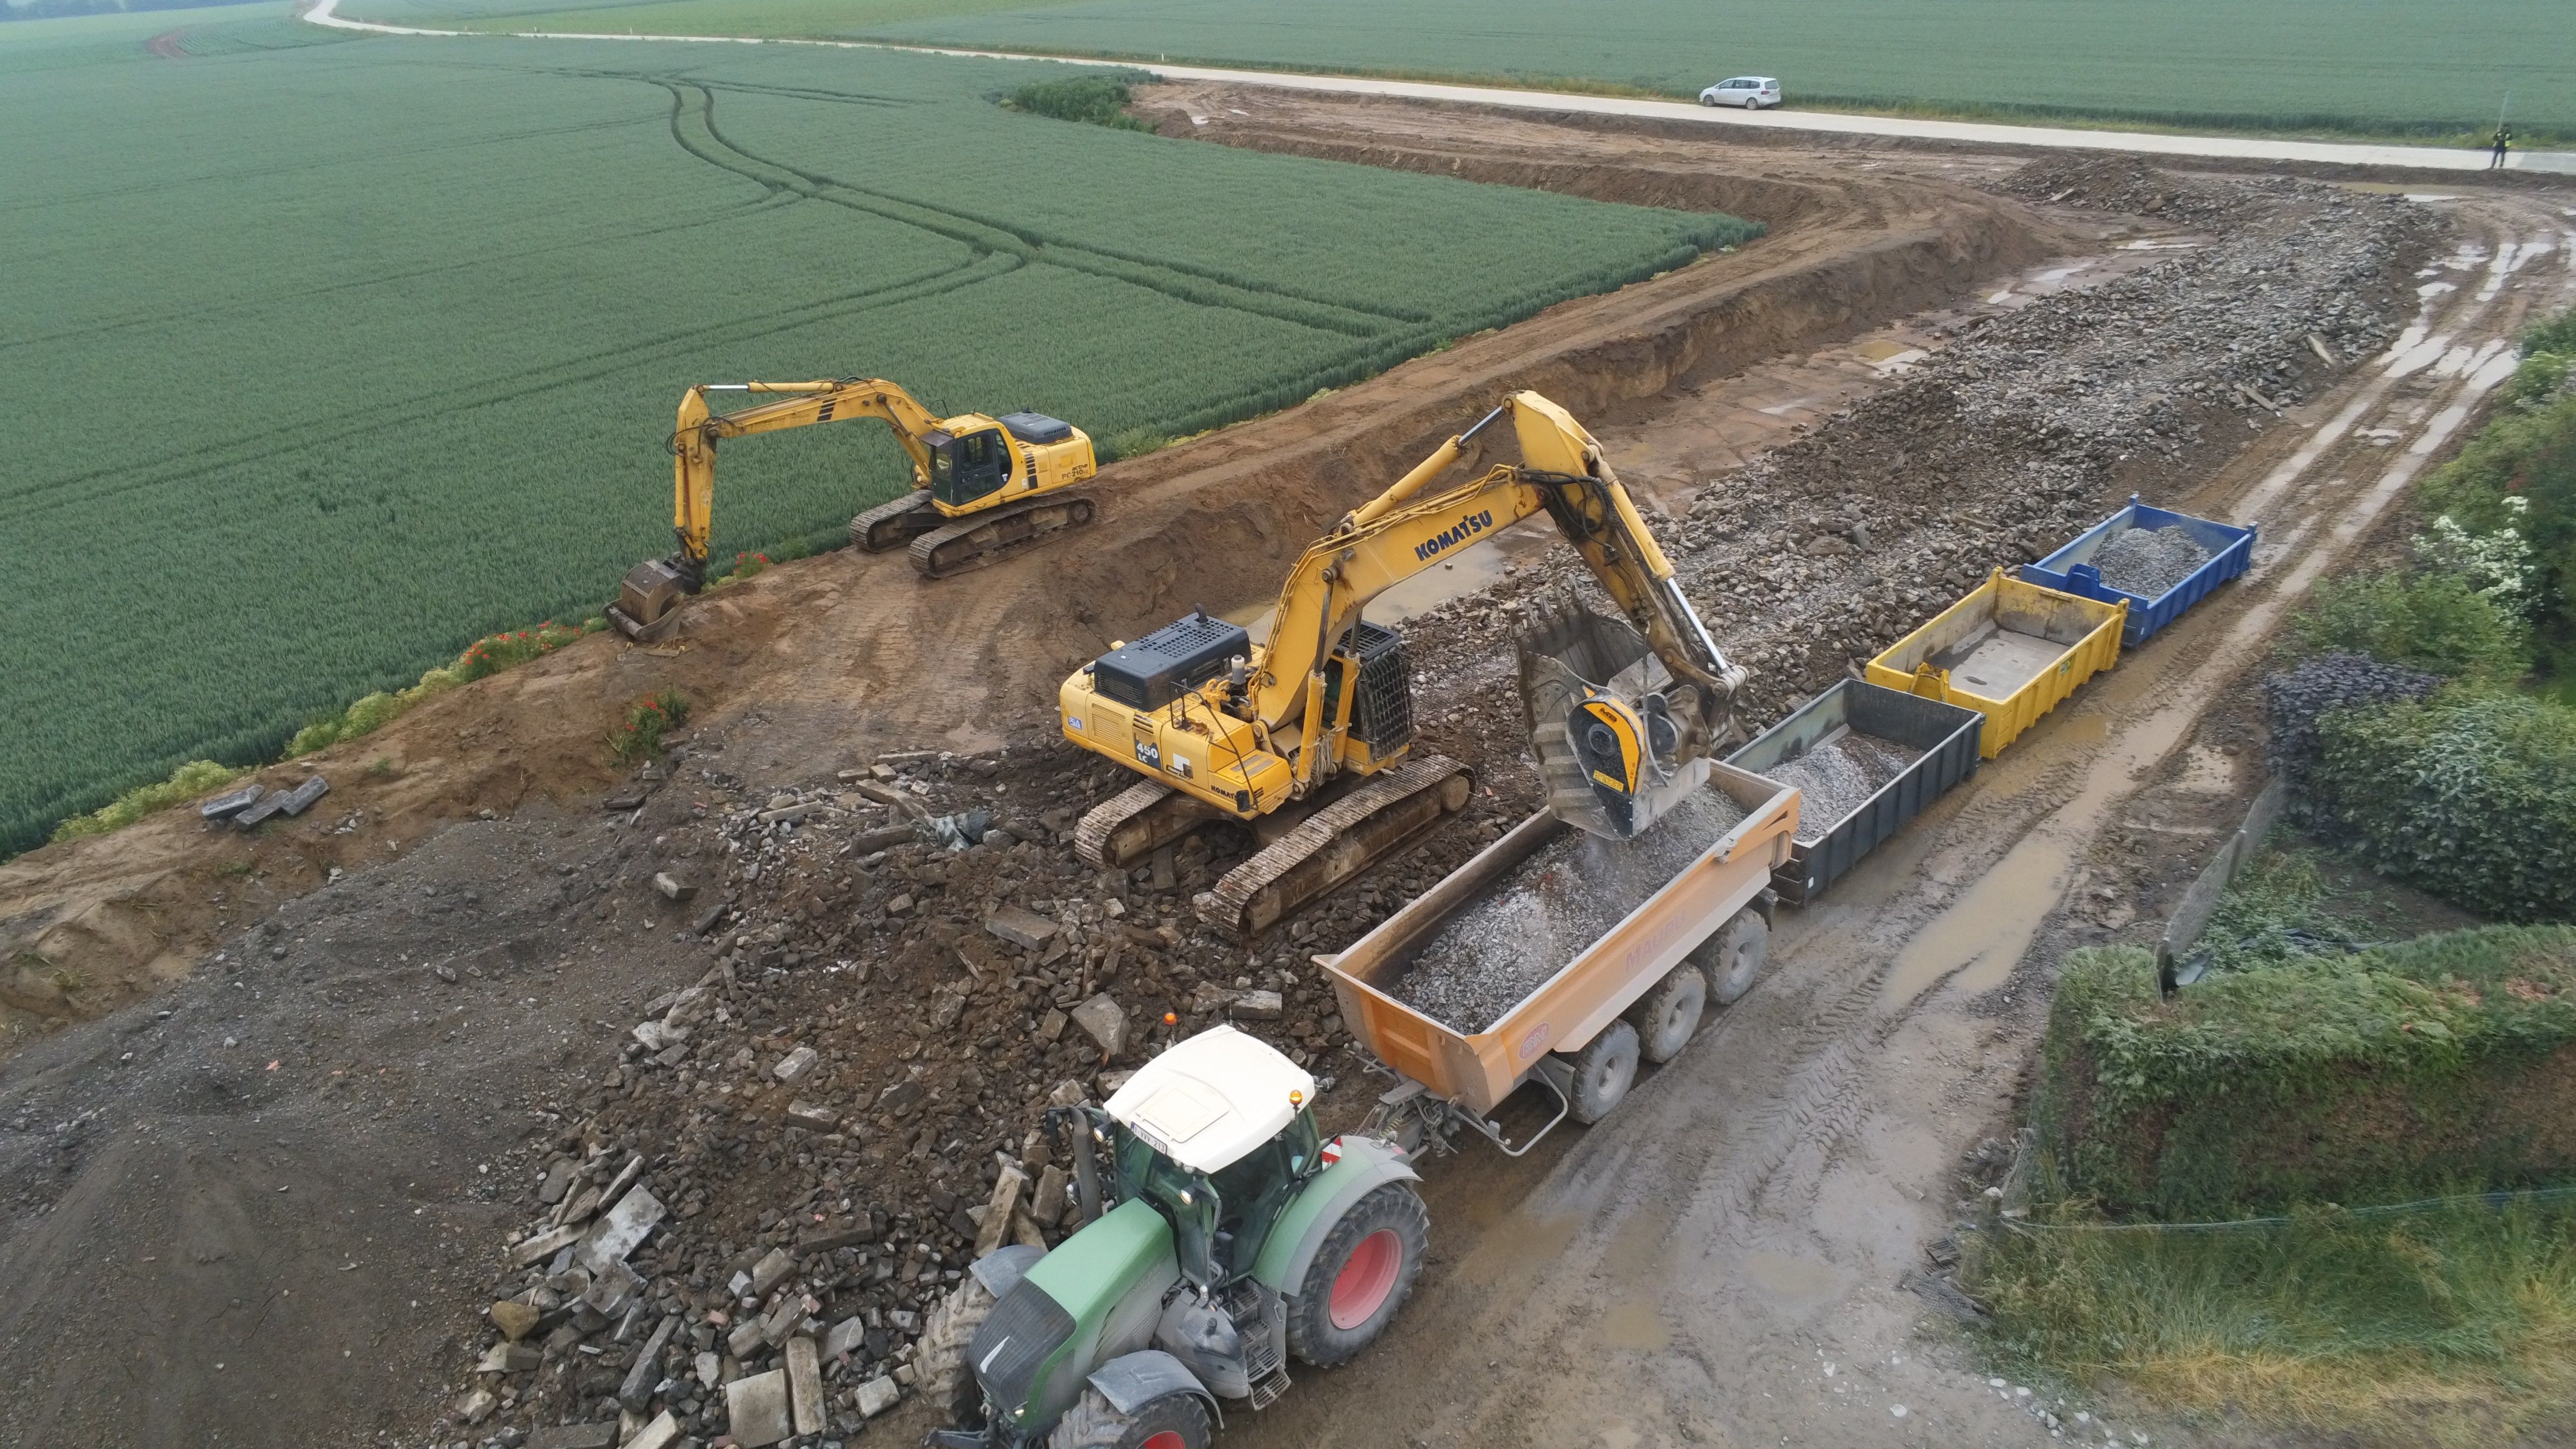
(1752,92)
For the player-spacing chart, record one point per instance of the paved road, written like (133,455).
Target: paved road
(2244,148)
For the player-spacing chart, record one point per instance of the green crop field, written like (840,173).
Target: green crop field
(2369,66)
(329,357)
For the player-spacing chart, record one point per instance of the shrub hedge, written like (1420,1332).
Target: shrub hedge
(2403,1071)
(2470,795)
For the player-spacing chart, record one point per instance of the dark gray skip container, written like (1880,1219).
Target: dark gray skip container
(1945,733)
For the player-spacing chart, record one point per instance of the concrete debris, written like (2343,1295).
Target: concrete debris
(794,1065)
(1259,1006)
(812,1116)
(759,1408)
(301,798)
(770,1271)
(1022,928)
(516,1320)
(477,1406)
(598,1435)
(1838,776)
(661,1432)
(1106,1023)
(878,1395)
(673,888)
(231,802)
(541,1246)
(994,1228)
(805,1385)
(616,1235)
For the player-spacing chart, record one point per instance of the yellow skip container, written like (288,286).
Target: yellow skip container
(2009,650)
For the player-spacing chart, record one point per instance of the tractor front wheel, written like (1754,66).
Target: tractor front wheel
(944,1375)
(1360,1277)
(1174,1421)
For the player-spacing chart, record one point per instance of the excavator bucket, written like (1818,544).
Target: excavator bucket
(1605,723)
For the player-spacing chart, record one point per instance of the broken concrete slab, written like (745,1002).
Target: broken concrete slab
(782,1320)
(1047,1204)
(646,1372)
(805,1385)
(615,1236)
(301,798)
(544,1245)
(1105,1021)
(662,1433)
(232,802)
(1023,928)
(477,1406)
(612,1289)
(991,1231)
(794,1065)
(558,1181)
(877,1395)
(672,887)
(1259,1006)
(745,1337)
(758,1411)
(847,1336)
(770,1271)
(506,1357)
(1051,1025)
(808,1115)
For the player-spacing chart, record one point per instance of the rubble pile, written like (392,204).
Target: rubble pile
(741,1227)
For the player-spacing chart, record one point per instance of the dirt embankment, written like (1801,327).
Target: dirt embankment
(852,653)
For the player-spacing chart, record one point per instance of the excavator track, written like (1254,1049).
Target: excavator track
(1132,824)
(986,538)
(891,525)
(1337,842)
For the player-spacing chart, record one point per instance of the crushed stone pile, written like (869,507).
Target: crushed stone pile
(2148,561)
(1837,776)
(1525,928)
(2127,187)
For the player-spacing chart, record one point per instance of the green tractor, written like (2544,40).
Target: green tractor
(1220,1237)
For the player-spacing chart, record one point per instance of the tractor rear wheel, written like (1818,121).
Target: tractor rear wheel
(1603,1072)
(1667,1016)
(1360,1276)
(1174,1421)
(945,1377)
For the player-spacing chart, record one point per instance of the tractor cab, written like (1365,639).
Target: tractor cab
(968,464)
(1215,1134)
(1219,1239)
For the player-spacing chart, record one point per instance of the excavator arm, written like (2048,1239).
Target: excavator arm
(799,404)
(1399,534)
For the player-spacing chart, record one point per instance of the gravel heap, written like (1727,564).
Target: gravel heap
(2296,698)
(1836,777)
(1524,928)
(2127,187)
(2148,562)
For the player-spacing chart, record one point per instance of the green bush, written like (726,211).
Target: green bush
(2520,469)
(1099,100)
(2469,795)
(189,781)
(2404,1071)
(638,736)
(2431,621)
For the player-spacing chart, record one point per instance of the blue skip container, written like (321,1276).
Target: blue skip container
(2071,570)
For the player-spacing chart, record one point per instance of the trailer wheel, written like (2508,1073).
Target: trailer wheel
(951,1325)
(1603,1071)
(1734,956)
(1360,1276)
(1668,1016)
(1174,1421)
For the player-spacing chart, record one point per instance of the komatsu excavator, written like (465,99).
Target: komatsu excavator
(983,487)
(1307,737)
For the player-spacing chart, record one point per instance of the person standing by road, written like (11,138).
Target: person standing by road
(2503,140)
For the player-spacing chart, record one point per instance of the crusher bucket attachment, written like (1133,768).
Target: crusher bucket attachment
(649,598)
(1617,745)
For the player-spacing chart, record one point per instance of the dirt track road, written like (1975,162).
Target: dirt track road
(1719,1263)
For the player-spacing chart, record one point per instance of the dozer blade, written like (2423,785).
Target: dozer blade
(988,538)
(1608,735)
(1386,813)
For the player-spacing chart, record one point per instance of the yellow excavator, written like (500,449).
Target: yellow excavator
(984,488)
(1307,737)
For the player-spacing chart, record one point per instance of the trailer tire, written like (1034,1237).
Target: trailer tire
(1174,1421)
(1667,1017)
(945,1333)
(1603,1072)
(1735,955)
(1360,1276)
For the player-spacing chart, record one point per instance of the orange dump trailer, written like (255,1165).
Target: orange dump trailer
(1644,982)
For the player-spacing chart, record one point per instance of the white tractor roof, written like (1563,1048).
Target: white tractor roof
(1207,1101)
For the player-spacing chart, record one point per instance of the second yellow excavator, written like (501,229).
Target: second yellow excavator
(983,487)
(1308,737)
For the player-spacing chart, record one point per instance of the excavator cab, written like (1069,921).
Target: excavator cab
(966,467)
